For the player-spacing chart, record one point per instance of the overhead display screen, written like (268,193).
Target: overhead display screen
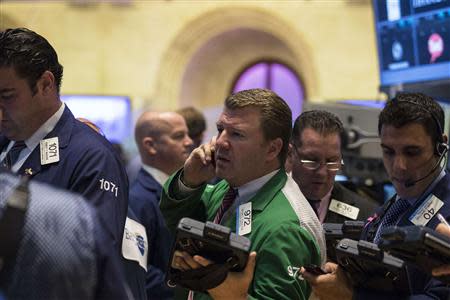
(413,38)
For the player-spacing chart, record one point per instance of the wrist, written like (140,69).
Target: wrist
(188,184)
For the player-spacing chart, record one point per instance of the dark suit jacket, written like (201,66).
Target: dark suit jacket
(366,206)
(145,194)
(88,165)
(420,284)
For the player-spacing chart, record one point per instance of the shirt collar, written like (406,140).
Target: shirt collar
(45,128)
(248,190)
(159,175)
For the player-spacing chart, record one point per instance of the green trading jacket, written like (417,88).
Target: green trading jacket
(285,232)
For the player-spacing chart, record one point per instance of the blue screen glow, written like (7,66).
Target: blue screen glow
(111,113)
(413,40)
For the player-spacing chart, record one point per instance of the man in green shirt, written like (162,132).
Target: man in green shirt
(249,153)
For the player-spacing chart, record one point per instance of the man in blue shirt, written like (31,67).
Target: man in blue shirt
(414,145)
(164,145)
(41,139)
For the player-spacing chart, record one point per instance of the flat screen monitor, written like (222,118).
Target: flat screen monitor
(111,113)
(413,38)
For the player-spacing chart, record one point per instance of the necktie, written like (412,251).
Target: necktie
(391,216)
(13,154)
(227,201)
(315,204)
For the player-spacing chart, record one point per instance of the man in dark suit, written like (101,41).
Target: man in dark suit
(315,157)
(414,144)
(164,145)
(41,139)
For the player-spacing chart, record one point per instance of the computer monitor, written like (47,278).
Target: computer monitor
(413,38)
(112,114)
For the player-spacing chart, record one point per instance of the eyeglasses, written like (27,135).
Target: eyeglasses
(314,165)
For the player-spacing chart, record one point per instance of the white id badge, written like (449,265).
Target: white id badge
(344,209)
(49,151)
(244,218)
(426,211)
(134,243)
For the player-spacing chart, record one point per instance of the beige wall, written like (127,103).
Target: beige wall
(170,53)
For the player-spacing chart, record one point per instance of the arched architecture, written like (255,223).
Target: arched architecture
(210,51)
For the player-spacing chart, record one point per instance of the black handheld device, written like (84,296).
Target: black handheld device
(212,241)
(334,232)
(369,267)
(314,269)
(421,246)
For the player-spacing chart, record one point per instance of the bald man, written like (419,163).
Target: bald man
(164,144)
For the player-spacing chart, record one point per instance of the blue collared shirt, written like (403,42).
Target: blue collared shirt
(34,139)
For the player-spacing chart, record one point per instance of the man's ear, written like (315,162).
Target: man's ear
(46,83)
(290,151)
(289,159)
(149,145)
(274,148)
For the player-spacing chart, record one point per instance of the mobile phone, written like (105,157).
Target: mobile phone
(314,269)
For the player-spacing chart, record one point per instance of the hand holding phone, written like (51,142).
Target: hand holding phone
(199,167)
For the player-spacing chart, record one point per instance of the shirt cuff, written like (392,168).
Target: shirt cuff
(182,190)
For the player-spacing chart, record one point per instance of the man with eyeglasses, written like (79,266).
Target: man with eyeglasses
(414,144)
(315,157)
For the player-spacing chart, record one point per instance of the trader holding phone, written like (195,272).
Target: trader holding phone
(414,145)
(255,199)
